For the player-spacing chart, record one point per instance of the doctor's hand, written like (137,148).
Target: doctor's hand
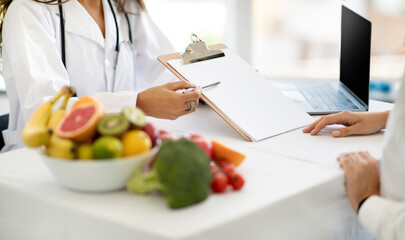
(357,123)
(164,102)
(362,176)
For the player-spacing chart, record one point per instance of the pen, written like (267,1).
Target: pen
(206,86)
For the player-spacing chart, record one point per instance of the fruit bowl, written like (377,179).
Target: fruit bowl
(96,175)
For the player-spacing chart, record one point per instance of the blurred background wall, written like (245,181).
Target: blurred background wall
(285,38)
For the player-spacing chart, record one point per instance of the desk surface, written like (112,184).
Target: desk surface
(294,190)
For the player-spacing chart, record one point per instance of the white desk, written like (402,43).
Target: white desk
(294,190)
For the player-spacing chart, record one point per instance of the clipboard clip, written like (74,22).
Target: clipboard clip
(197,51)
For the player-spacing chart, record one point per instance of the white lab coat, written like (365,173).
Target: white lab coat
(33,68)
(384,217)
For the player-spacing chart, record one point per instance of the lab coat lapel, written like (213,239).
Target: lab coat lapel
(110,29)
(78,21)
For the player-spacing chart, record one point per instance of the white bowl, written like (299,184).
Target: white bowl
(96,175)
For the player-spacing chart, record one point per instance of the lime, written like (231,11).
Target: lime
(135,116)
(107,147)
(136,142)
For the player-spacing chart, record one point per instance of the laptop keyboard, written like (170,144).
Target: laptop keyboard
(325,97)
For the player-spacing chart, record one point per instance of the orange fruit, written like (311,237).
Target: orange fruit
(80,123)
(222,152)
(135,142)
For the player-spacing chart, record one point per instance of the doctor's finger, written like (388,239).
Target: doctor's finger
(192,96)
(190,111)
(191,106)
(174,86)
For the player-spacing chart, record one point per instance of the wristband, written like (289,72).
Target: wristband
(361,203)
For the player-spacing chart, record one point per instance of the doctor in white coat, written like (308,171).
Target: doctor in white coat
(377,195)
(103,48)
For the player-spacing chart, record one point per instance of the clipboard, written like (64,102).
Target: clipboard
(212,53)
(164,59)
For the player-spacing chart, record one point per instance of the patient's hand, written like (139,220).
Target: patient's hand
(362,176)
(357,123)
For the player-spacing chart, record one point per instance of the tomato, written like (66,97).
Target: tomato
(236,181)
(227,167)
(202,142)
(214,167)
(224,174)
(219,180)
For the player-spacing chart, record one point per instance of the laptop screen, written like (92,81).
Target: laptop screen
(355,52)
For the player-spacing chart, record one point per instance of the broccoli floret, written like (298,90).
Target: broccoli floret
(181,171)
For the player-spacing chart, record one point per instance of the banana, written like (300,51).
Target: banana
(61,148)
(58,115)
(85,151)
(36,132)
(36,137)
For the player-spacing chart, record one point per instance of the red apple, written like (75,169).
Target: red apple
(204,143)
(150,129)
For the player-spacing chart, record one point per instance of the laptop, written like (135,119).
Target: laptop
(352,91)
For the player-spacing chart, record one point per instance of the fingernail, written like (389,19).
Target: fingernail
(336,133)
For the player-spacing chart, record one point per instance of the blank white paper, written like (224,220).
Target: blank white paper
(249,100)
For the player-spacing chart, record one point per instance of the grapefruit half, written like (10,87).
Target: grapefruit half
(81,123)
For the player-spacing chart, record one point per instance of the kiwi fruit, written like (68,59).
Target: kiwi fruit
(135,116)
(113,125)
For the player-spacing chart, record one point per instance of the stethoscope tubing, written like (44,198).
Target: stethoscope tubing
(62,29)
(117,41)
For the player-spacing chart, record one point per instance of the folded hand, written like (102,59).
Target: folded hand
(362,176)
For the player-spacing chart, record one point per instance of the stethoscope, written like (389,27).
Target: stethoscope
(117,45)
